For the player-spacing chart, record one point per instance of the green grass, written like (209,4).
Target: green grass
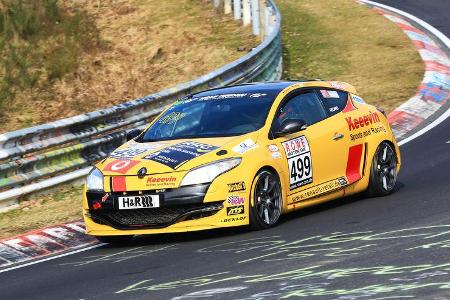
(306,53)
(346,41)
(40,43)
(62,204)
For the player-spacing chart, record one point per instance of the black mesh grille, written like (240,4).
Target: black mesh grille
(150,218)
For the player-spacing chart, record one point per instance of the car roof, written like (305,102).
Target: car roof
(273,87)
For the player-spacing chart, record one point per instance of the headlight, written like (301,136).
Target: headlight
(209,172)
(94,181)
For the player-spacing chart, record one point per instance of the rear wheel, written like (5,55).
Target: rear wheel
(267,200)
(383,173)
(114,239)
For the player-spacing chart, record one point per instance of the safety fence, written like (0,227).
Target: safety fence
(46,155)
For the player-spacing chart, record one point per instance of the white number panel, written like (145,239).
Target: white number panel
(299,162)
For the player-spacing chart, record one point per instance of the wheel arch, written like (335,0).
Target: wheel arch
(282,182)
(392,144)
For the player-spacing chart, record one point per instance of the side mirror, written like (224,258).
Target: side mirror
(290,126)
(132,134)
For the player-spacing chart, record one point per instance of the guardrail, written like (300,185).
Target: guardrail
(42,153)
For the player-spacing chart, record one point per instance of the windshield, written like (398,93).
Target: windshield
(211,116)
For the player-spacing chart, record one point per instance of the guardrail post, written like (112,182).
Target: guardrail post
(237,9)
(267,28)
(255,17)
(272,20)
(246,14)
(227,6)
(262,19)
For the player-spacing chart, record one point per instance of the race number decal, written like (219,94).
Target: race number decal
(299,162)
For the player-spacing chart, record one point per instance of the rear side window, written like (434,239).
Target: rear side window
(333,101)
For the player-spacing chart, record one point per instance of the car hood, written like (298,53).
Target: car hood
(174,155)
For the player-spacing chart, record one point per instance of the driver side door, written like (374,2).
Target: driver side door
(315,157)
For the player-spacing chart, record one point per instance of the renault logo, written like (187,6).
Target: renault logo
(142,172)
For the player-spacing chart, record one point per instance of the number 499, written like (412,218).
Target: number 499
(301,167)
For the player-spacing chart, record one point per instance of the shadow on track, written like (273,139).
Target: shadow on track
(237,232)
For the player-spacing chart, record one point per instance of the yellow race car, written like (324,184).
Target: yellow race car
(241,155)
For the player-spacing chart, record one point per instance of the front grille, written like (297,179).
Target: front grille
(153,217)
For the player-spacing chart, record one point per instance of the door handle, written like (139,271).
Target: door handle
(338,136)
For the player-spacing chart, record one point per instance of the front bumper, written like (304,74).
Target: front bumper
(182,209)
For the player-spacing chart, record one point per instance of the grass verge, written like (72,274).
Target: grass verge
(63,204)
(343,40)
(95,54)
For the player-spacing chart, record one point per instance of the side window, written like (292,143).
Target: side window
(305,106)
(333,101)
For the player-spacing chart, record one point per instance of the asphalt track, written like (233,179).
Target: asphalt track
(396,247)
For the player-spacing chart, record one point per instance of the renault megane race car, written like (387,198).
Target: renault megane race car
(241,155)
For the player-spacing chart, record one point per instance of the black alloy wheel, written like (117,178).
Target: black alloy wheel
(383,173)
(267,200)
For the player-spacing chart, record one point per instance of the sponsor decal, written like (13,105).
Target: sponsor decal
(120,166)
(342,181)
(224,96)
(243,147)
(362,121)
(236,186)
(337,85)
(257,95)
(134,202)
(172,118)
(166,181)
(299,161)
(333,109)
(358,99)
(274,151)
(147,146)
(320,189)
(276,155)
(233,219)
(176,155)
(366,133)
(128,153)
(235,210)
(273,148)
(329,94)
(235,200)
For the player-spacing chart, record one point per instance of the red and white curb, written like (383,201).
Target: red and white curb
(35,245)
(434,91)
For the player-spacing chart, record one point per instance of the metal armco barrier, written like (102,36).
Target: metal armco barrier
(44,152)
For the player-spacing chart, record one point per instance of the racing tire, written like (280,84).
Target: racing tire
(114,239)
(383,172)
(267,200)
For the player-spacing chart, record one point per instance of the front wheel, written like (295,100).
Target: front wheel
(383,173)
(267,200)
